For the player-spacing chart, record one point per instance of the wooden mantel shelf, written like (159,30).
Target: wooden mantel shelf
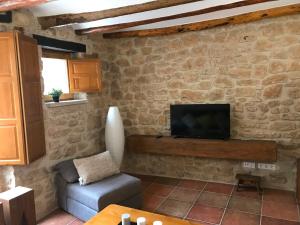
(244,150)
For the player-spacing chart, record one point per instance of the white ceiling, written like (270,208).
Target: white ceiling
(214,15)
(79,6)
(155,13)
(68,6)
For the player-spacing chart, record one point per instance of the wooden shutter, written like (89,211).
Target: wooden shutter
(84,75)
(11,124)
(29,70)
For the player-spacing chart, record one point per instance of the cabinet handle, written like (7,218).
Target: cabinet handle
(76,83)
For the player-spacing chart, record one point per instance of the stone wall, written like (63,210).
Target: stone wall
(255,67)
(70,131)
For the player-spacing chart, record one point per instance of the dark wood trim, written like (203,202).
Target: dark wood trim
(7,5)
(48,53)
(244,150)
(243,18)
(1,214)
(52,21)
(6,17)
(181,15)
(59,45)
(298,181)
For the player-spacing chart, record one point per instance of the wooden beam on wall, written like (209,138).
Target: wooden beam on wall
(59,45)
(181,15)
(65,19)
(7,5)
(238,19)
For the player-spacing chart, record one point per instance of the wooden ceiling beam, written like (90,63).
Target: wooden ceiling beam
(238,19)
(65,19)
(176,16)
(7,5)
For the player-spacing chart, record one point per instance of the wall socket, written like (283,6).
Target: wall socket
(266,166)
(249,165)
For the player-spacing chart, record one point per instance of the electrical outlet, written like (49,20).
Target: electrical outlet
(266,166)
(250,165)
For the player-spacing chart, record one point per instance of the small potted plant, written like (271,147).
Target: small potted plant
(56,93)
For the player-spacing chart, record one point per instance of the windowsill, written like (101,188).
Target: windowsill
(66,103)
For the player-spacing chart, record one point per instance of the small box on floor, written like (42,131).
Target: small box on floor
(248,181)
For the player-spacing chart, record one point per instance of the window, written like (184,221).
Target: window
(70,75)
(55,74)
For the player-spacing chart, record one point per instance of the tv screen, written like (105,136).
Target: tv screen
(207,121)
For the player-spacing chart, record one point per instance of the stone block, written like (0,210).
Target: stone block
(294,93)
(283,126)
(277,66)
(273,91)
(245,92)
(223,82)
(194,96)
(275,79)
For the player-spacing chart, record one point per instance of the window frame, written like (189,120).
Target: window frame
(47,53)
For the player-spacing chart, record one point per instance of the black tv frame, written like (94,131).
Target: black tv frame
(205,107)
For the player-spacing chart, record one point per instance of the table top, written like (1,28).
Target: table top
(111,215)
(14,192)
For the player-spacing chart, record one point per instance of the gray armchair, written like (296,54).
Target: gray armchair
(85,201)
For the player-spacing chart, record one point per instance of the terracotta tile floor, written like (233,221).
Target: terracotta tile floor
(60,218)
(208,204)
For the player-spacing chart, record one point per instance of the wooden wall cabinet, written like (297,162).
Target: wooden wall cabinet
(22,138)
(84,75)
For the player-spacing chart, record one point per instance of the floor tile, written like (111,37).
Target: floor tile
(219,188)
(159,189)
(174,208)
(213,199)
(184,195)
(58,217)
(167,181)
(199,222)
(192,184)
(240,218)
(279,196)
(206,213)
(280,210)
(248,205)
(249,193)
(271,221)
(151,202)
(279,207)
(145,184)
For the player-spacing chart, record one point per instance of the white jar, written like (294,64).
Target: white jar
(141,221)
(157,223)
(126,219)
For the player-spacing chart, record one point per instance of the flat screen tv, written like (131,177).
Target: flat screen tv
(207,121)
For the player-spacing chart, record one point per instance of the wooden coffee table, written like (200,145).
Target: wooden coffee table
(111,215)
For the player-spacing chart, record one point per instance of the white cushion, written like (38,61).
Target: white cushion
(95,168)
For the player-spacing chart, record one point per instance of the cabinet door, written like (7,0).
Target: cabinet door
(29,70)
(84,75)
(11,123)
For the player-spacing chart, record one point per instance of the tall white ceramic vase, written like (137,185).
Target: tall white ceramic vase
(114,135)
